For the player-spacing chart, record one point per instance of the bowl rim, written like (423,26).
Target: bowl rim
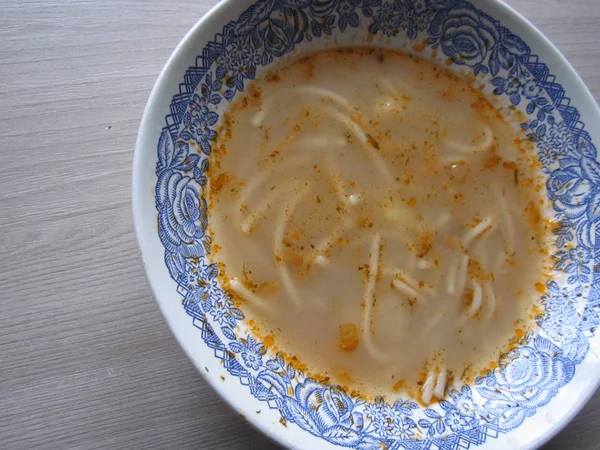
(161,95)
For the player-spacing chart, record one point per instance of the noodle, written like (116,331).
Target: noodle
(424,264)
(476,231)
(336,179)
(500,261)
(403,287)
(477,299)
(240,289)
(249,222)
(393,88)
(509,226)
(440,385)
(326,243)
(428,388)
(461,279)
(364,140)
(399,213)
(442,221)
(451,275)
(488,139)
(256,182)
(373,351)
(284,273)
(309,89)
(323,142)
(354,199)
(389,85)
(260,116)
(489,293)
(322,261)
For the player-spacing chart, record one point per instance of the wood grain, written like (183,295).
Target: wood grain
(85,359)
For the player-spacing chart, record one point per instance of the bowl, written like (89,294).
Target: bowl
(538,386)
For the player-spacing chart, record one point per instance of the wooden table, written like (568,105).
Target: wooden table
(85,358)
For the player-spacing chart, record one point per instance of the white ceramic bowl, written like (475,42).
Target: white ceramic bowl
(537,387)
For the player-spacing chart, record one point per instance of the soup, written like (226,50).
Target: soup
(378,219)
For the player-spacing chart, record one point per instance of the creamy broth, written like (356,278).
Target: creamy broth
(377,218)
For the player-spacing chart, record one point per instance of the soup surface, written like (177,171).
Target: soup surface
(378,219)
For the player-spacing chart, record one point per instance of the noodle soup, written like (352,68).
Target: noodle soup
(378,220)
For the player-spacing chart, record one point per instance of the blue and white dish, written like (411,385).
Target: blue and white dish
(537,387)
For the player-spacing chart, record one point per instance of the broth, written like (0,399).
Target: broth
(378,219)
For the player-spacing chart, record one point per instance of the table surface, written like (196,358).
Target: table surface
(85,358)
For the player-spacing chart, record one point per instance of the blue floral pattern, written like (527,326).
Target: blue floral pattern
(528,376)
(333,412)
(250,350)
(465,35)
